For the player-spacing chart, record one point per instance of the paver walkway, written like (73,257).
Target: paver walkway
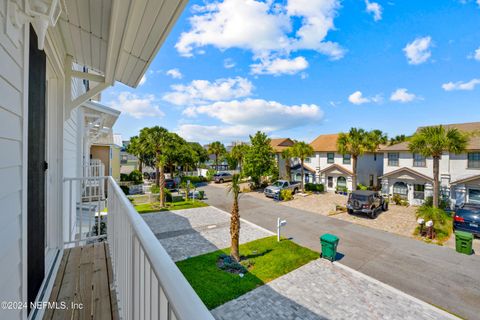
(192,232)
(322,290)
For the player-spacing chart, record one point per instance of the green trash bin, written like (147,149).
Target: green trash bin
(463,242)
(329,244)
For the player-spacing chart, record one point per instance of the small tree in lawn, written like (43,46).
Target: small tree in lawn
(432,142)
(259,160)
(217,149)
(287,155)
(234,190)
(302,150)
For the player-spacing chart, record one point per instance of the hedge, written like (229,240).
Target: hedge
(314,187)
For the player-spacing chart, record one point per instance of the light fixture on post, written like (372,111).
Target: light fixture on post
(40,13)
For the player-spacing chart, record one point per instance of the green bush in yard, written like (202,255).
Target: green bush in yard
(125,190)
(286,195)
(442,221)
(135,176)
(210,174)
(194,179)
(314,187)
(361,187)
(123,177)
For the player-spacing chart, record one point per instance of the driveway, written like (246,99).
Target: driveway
(437,275)
(322,290)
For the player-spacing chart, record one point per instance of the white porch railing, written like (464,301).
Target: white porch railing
(148,283)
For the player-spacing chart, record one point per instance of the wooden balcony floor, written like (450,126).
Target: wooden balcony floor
(84,279)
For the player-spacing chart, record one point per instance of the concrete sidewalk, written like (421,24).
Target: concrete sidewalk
(434,274)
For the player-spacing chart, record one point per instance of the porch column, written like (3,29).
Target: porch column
(385,189)
(460,194)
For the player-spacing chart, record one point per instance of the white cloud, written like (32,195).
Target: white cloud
(418,51)
(241,118)
(228,63)
(476,54)
(136,106)
(375,9)
(204,91)
(402,95)
(143,80)
(264,27)
(174,73)
(280,66)
(358,98)
(461,85)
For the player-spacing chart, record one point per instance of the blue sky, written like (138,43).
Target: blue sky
(300,68)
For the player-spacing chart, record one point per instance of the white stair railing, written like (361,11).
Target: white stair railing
(148,283)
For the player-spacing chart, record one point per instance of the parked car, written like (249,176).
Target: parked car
(170,184)
(273,191)
(222,177)
(366,201)
(467,218)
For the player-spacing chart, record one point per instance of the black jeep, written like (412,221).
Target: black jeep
(368,202)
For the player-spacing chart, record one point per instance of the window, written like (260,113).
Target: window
(419,191)
(375,156)
(474,196)
(419,160)
(393,159)
(347,159)
(401,189)
(341,182)
(330,157)
(474,160)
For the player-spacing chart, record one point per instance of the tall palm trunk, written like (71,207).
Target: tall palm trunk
(354,169)
(303,177)
(162,186)
(235,229)
(436,171)
(157,176)
(288,169)
(140,166)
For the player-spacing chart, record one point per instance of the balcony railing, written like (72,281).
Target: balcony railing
(148,284)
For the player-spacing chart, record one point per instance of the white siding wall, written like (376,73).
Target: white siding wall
(13,81)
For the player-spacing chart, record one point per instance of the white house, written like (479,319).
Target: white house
(411,175)
(334,170)
(54,57)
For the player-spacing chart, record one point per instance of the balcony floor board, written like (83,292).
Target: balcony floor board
(84,278)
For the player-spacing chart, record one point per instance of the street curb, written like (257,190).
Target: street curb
(246,221)
(396,291)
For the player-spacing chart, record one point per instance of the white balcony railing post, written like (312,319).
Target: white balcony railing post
(149,285)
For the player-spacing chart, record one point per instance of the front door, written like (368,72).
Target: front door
(36,169)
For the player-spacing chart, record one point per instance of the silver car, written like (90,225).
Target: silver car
(222,177)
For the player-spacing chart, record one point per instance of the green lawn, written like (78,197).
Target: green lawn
(155,206)
(268,259)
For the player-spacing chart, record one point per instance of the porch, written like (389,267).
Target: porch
(84,283)
(113,266)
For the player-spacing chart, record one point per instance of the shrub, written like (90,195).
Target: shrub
(286,195)
(442,221)
(314,187)
(210,174)
(136,176)
(361,187)
(398,200)
(125,190)
(123,177)
(442,203)
(194,179)
(156,190)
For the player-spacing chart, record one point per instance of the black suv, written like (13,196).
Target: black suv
(368,202)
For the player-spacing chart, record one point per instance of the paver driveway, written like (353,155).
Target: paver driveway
(437,275)
(192,232)
(322,290)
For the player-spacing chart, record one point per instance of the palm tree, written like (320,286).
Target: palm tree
(287,155)
(302,150)
(356,142)
(398,139)
(216,148)
(432,142)
(156,140)
(234,189)
(134,148)
(238,153)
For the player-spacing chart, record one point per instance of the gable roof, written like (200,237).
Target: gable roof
(305,166)
(469,127)
(408,171)
(325,142)
(339,168)
(281,144)
(466,179)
